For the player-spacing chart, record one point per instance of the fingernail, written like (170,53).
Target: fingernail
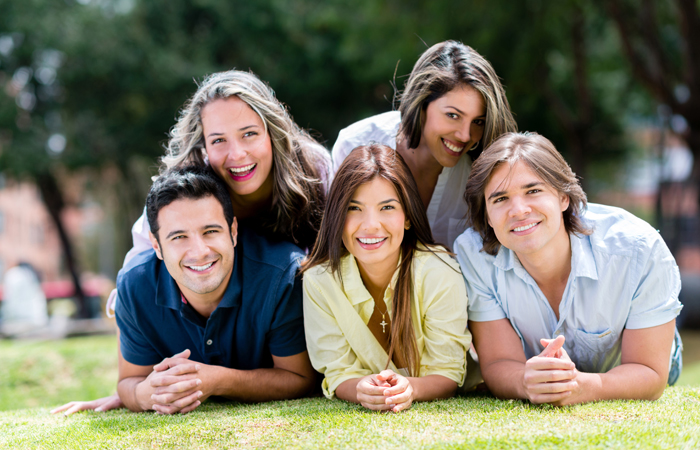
(199,382)
(98,409)
(196,366)
(199,394)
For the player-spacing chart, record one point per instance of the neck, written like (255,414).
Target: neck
(376,277)
(420,157)
(254,203)
(206,303)
(552,264)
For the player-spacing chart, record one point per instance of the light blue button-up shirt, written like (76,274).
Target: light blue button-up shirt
(622,276)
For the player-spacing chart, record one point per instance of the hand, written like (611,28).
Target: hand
(400,395)
(174,385)
(370,392)
(99,405)
(550,377)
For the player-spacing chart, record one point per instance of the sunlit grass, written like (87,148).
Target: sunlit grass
(41,376)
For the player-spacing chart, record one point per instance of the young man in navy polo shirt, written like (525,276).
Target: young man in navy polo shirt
(233,320)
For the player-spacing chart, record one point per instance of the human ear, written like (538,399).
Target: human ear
(564,201)
(155,244)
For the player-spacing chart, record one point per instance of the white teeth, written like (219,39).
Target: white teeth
(371,241)
(237,170)
(453,147)
(201,268)
(526,227)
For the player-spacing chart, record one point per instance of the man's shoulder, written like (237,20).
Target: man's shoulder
(140,269)
(618,231)
(272,254)
(469,244)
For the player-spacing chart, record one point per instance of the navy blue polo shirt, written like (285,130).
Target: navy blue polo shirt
(259,315)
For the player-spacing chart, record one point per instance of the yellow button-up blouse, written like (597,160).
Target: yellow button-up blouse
(342,347)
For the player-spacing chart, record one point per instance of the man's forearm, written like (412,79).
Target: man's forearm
(127,390)
(627,381)
(257,385)
(504,378)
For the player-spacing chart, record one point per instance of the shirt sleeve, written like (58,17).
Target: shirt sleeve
(329,351)
(478,270)
(655,300)
(139,233)
(341,149)
(446,338)
(286,335)
(134,345)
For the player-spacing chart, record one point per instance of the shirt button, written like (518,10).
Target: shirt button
(209,342)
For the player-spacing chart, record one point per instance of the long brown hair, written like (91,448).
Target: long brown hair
(442,68)
(542,157)
(361,166)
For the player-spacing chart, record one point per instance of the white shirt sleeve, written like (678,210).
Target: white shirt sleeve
(139,233)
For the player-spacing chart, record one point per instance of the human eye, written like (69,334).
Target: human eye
(452,115)
(250,133)
(353,208)
(500,199)
(177,237)
(216,141)
(479,122)
(534,191)
(388,208)
(211,231)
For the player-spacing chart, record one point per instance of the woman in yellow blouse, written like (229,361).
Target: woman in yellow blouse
(385,310)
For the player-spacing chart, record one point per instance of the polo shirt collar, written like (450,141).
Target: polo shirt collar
(168,293)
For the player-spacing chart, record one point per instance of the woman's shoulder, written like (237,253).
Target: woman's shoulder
(432,257)
(379,128)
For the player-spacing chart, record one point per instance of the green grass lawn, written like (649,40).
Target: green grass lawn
(38,376)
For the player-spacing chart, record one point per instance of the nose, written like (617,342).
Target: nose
(198,248)
(519,206)
(236,152)
(370,222)
(464,132)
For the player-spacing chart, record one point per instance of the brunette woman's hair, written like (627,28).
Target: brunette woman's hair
(300,165)
(363,165)
(442,68)
(544,160)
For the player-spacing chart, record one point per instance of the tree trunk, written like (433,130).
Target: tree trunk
(53,199)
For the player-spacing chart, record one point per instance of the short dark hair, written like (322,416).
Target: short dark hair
(190,182)
(544,160)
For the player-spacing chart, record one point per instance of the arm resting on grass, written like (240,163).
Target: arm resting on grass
(550,378)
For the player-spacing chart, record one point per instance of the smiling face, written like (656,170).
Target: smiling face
(453,124)
(197,247)
(525,212)
(238,148)
(374,226)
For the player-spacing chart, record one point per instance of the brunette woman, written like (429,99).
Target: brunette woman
(384,307)
(452,107)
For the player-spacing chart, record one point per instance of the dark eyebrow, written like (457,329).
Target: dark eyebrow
(462,112)
(523,187)
(206,227)
(388,201)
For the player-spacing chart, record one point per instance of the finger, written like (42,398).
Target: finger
(175,398)
(370,389)
(550,398)
(175,374)
(165,409)
(182,402)
(192,407)
(544,363)
(371,399)
(551,388)
(402,406)
(400,385)
(548,376)
(377,407)
(170,363)
(164,365)
(113,403)
(182,386)
(403,397)
(552,345)
(62,408)
(385,375)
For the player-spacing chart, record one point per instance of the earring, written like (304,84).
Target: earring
(407,226)
(474,146)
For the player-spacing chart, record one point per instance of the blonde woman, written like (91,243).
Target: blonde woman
(453,106)
(276,174)
(384,307)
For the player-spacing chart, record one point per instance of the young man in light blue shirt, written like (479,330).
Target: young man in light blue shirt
(568,302)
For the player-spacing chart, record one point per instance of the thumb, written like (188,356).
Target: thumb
(552,346)
(165,364)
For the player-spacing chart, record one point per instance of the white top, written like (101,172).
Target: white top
(622,276)
(447,209)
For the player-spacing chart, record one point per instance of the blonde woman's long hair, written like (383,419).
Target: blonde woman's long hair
(300,166)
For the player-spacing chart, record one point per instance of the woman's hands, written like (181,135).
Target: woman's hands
(385,391)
